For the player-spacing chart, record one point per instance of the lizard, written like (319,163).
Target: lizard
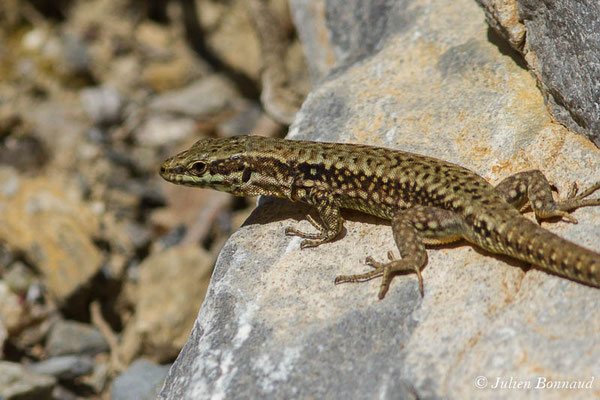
(429,201)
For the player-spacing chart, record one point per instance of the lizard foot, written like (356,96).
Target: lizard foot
(385,270)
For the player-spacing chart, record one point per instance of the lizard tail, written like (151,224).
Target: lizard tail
(550,252)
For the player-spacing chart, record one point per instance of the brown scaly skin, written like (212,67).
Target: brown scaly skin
(429,201)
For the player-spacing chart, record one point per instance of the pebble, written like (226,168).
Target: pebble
(161,130)
(16,383)
(12,310)
(70,337)
(102,104)
(203,98)
(64,367)
(142,380)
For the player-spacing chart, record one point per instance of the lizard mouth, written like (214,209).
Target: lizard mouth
(176,175)
(180,179)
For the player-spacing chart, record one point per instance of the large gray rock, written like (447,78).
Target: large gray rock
(273,325)
(560,40)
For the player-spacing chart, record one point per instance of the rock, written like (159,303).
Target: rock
(421,76)
(141,381)
(159,130)
(31,335)
(562,48)
(321,55)
(52,227)
(25,314)
(62,393)
(154,38)
(503,16)
(99,376)
(230,35)
(203,98)
(102,104)
(172,285)
(12,310)
(19,277)
(63,367)
(70,337)
(162,76)
(25,153)
(16,383)
(76,60)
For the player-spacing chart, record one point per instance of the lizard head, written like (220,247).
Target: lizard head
(211,163)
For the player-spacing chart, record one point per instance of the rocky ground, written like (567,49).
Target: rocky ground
(100,281)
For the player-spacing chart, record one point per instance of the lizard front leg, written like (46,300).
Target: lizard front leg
(329,214)
(533,186)
(412,229)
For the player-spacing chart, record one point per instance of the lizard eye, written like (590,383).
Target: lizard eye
(198,168)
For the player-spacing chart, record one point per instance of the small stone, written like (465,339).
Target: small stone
(25,152)
(63,367)
(62,393)
(102,104)
(99,376)
(9,182)
(160,130)
(142,381)
(12,310)
(205,97)
(76,58)
(70,337)
(19,277)
(16,383)
(34,39)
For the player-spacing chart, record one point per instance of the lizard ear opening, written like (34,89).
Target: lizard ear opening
(198,168)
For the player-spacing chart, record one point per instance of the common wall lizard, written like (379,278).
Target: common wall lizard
(428,201)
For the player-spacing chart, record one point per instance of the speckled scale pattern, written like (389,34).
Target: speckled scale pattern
(429,201)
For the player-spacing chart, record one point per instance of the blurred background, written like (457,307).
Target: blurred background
(103,266)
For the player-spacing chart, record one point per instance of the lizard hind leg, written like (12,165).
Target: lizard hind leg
(533,186)
(412,229)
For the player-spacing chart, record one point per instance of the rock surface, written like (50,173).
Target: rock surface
(426,79)
(561,44)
